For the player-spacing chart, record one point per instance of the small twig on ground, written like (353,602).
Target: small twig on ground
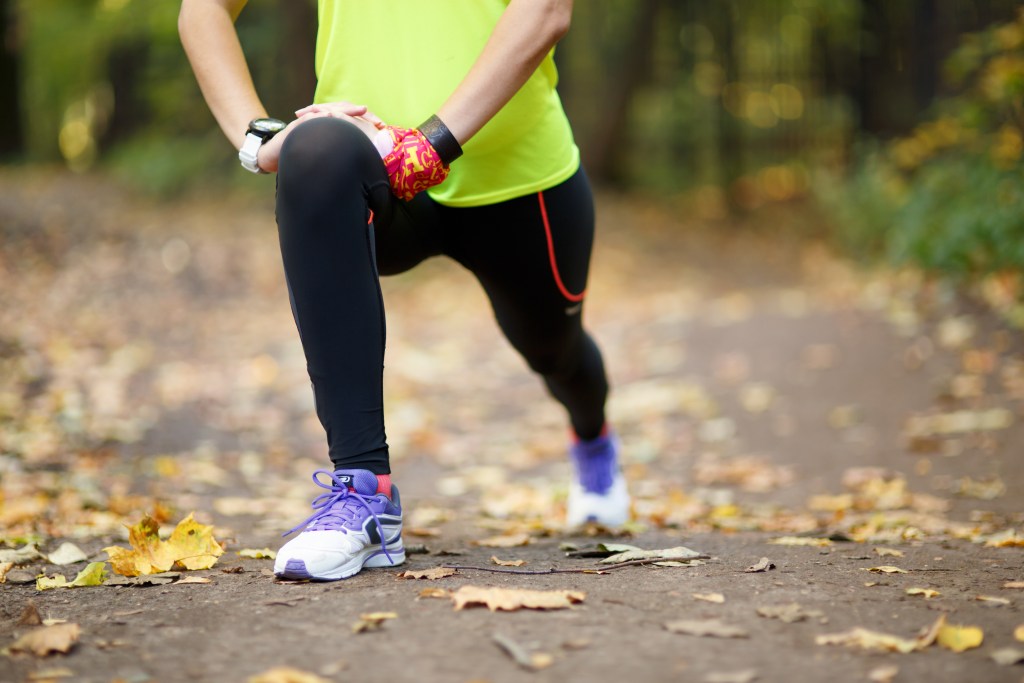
(575,570)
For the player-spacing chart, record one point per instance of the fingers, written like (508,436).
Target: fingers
(343,109)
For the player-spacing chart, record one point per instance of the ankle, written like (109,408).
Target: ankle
(384,484)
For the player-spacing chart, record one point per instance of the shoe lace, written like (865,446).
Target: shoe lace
(339,502)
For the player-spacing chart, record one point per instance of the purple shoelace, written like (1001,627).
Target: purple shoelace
(337,508)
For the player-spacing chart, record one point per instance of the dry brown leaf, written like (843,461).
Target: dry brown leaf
(191,546)
(873,640)
(676,553)
(510,599)
(960,638)
(434,593)
(888,552)
(789,613)
(926,592)
(506,541)
(30,615)
(709,597)
(887,569)
(193,579)
(1014,584)
(372,621)
(287,674)
(48,639)
(990,601)
(710,627)
(762,565)
(507,563)
(742,676)
(432,573)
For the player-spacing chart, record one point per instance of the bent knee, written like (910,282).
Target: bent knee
(326,146)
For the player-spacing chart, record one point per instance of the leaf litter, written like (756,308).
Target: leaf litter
(512,599)
(47,640)
(190,546)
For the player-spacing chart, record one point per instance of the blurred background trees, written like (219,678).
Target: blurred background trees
(903,117)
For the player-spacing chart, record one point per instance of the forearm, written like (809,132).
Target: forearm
(522,38)
(211,44)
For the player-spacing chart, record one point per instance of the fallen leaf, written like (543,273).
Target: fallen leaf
(1014,584)
(507,541)
(677,563)
(926,592)
(239,569)
(1008,656)
(23,555)
(711,627)
(576,644)
(709,597)
(48,639)
(4,568)
(432,573)
(193,579)
(30,615)
(510,599)
(372,621)
(677,553)
(789,613)
(801,540)
(762,565)
(887,569)
(1018,633)
(874,640)
(529,661)
(960,638)
(67,553)
(94,574)
(883,674)
(1005,539)
(434,593)
(507,563)
(742,676)
(888,552)
(262,554)
(598,550)
(286,674)
(990,601)
(423,532)
(191,545)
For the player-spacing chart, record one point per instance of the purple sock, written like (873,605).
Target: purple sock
(596,462)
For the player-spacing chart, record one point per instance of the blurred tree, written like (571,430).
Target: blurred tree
(10,90)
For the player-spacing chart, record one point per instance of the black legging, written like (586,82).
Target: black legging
(340,227)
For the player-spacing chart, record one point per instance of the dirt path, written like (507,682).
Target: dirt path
(147,356)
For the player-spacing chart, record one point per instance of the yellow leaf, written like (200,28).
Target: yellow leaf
(94,574)
(44,583)
(191,546)
(873,640)
(1018,633)
(960,638)
(888,552)
(801,540)
(507,563)
(286,674)
(193,579)
(887,569)
(511,599)
(49,639)
(4,568)
(709,597)
(434,593)
(264,554)
(926,592)
(989,600)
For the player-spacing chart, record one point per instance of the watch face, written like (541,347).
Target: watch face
(267,126)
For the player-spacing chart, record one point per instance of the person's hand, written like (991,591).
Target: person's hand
(413,165)
(270,152)
(345,108)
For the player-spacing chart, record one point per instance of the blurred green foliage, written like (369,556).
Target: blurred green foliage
(949,196)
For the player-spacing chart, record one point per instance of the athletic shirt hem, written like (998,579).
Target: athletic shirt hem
(507,193)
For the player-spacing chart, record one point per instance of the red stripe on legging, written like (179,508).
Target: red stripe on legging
(551,255)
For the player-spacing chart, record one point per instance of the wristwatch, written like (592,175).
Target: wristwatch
(260,130)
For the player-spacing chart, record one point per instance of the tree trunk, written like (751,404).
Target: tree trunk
(11,139)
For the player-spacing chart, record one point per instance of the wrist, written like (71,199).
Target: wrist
(441,139)
(258,133)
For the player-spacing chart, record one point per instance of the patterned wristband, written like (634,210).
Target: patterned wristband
(413,165)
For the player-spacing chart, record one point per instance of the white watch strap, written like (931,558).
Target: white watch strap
(248,155)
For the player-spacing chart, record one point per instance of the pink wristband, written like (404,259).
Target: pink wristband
(413,164)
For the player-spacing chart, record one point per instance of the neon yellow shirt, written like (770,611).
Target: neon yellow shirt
(403,58)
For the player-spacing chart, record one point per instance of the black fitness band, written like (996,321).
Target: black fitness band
(441,139)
